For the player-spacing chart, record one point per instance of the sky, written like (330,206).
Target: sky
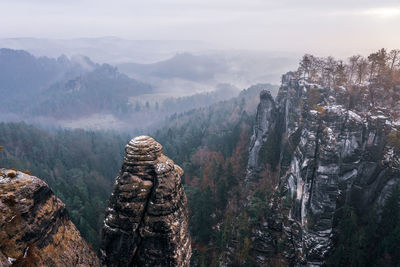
(316,26)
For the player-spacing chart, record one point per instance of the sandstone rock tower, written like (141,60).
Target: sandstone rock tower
(146,220)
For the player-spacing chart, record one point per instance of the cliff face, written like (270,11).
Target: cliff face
(333,150)
(146,220)
(34,226)
(265,122)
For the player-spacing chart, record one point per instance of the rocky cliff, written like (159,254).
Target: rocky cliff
(265,122)
(146,220)
(34,226)
(333,150)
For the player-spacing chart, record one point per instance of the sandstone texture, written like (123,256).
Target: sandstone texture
(34,226)
(334,150)
(146,220)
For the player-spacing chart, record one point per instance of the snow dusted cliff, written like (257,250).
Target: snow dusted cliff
(333,150)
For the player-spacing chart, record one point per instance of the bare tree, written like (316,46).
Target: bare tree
(340,73)
(305,65)
(394,58)
(330,65)
(381,68)
(362,69)
(352,67)
(377,63)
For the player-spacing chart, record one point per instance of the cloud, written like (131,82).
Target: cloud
(383,12)
(314,25)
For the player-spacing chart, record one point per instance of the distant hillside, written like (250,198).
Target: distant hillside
(23,75)
(46,90)
(77,93)
(103,90)
(112,50)
(193,72)
(184,66)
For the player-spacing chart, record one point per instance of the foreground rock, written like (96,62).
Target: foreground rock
(34,226)
(146,221)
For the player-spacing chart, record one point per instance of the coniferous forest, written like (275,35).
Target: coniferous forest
(211,144)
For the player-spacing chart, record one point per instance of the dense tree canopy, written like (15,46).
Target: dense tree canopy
(78,165)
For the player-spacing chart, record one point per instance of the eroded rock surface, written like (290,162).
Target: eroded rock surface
(34,226)
(146,220)
(333,151)
(265,122)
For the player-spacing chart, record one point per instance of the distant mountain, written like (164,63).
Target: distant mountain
(23,76)
(174,66)
(110,50)
(184,66)
(192,71)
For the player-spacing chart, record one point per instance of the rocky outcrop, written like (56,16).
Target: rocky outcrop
(265,122)
(146,220)
(34,226)
(333,151)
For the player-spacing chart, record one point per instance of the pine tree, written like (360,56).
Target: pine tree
(351,242)
(202,210)
(389,227)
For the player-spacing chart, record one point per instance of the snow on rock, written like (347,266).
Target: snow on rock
(328,152)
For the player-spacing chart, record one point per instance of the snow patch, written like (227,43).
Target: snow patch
(354,116)
(300,185)
(349,175)
(328,169)
(4,180)
(26,252)
(109,217)
(161,167)
(109,227)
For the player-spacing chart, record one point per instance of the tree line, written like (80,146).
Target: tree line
(381,67)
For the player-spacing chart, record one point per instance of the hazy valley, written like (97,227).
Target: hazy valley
(199,133)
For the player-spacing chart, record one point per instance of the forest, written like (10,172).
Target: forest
(79,166)
(211,145)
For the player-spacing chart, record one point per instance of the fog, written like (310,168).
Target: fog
(338,28)
(167,53)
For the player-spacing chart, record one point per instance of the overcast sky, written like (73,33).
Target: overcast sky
(335,27)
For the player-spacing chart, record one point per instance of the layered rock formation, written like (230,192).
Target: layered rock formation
(146,219)
(333,150)
(265,122)
(34,226)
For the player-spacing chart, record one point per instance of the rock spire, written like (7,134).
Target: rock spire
(146,220)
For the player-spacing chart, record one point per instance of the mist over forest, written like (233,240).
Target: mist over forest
(200,133)
(74,90)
